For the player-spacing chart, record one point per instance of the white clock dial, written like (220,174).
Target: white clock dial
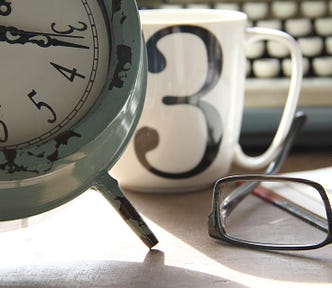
(54,62)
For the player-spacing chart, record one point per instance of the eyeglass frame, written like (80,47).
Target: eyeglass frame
(216,227)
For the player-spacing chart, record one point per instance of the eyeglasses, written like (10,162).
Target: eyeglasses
(272,212)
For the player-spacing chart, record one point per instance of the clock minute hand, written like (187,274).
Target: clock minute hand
(12,35)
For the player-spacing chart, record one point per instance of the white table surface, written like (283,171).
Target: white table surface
(85,243)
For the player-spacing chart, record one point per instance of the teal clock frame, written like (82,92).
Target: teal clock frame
(40,177)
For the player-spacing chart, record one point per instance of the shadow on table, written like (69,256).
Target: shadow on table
(185,216)
(151,273)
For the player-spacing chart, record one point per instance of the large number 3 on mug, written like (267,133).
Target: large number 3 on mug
(147,138)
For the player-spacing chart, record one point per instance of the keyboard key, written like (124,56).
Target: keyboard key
(266,68)
(328,45)
(287,66)
(272,24)
(311,46)
(276,49)
(255,50)
(256,10)
(284,9)
(322,66)
(323,26)
(198,6)
(182,2)
(227,6)
(171,6)
(313,8)
(298,27)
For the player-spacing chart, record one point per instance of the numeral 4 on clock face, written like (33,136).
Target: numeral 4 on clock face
(70,74)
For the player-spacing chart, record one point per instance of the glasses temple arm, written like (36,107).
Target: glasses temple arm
(297,124)
(242,191)
(293,209)
(232,200)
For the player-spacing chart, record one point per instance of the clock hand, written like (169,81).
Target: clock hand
(12,35)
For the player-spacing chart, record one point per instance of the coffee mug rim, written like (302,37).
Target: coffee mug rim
(189,16)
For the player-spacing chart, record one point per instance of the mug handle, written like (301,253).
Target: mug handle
(256,34)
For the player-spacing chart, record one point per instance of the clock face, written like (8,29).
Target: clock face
(54,61)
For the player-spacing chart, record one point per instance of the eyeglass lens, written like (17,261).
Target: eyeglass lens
(297,215)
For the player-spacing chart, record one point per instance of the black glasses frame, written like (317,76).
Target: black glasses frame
(216,224)
(216,227)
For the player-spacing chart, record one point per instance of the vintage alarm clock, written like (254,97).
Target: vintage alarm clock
(73,79)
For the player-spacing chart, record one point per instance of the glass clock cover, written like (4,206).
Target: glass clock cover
(73,77)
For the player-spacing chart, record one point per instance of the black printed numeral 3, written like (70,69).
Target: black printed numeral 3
(147,138)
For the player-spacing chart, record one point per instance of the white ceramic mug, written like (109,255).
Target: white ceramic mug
(188,135)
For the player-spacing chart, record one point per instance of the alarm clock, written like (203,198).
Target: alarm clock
(73,79)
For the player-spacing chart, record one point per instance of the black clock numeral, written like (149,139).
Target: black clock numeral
(70,28)
(70,74)
(41,104)
(4,134)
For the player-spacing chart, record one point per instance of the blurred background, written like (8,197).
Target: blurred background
(268,66)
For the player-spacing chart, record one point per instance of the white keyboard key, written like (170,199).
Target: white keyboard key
(323,26)
(256,10)
(284,9)
(198,6)
(255,50)
(271,24)
(276,49)
(266,68)
(171,6)
(328,45)
(313,8)
(227,6)
(311,46)
(322,66)
(287,66)
(298,27)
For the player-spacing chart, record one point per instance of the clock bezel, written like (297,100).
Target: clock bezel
(106,130)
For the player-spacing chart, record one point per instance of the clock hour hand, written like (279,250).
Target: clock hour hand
(12,35)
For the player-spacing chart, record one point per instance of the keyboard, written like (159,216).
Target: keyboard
(268,64)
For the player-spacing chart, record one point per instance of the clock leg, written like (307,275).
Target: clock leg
(109,187)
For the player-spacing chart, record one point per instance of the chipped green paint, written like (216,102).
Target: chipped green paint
(39,177)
